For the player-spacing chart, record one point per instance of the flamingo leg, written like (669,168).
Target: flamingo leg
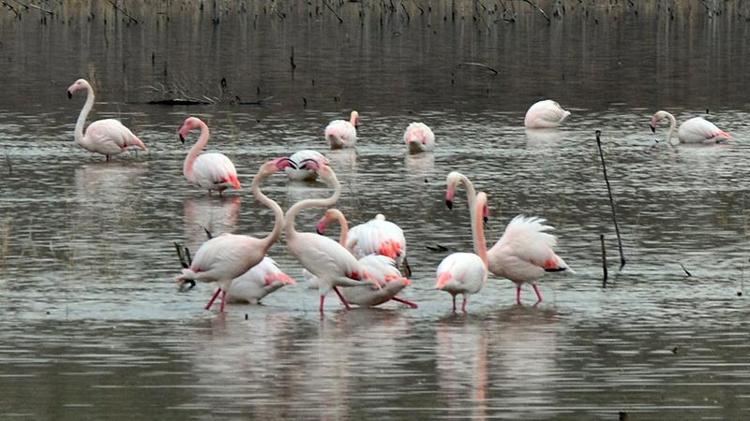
(406,302)
(341,297)
(223,300)
(213,298)
(463,306)
(518,295)
(322,300)
(454,303)
(538,294)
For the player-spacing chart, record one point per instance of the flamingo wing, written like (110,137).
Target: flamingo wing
(526,241)
(461,272)
(110,136)
(545,114)
(698,129)
(324,257)
(224,257)
(214,169)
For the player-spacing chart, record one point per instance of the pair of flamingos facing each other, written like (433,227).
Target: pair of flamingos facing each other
(523,254)
(418,137)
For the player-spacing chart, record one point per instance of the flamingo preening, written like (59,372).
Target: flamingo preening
(341,133)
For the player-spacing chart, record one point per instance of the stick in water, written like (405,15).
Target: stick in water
(604,262)
(611,200)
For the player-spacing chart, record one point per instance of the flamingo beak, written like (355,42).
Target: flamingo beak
(653,129)
(449,203)
(182,138)
(285,162)
(70,94)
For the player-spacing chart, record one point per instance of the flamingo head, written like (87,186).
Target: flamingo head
(190,124)
(482,201)
(657,117)
(329,216)
(450,191)
(281,278)
(78,85)
(277,164)
(354,119)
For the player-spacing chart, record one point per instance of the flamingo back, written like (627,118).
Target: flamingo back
(341,134)
(261,280)
(224,258)
(377,236)
(324,257)
(461,273)
(545,114)
(109,137)
(213,170)
(698,130)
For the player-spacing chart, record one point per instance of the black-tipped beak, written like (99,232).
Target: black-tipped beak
(449,203)
(303,164)
(290,162)
(653,129)
(485,219)
(318,231)
(182,138)
(70,95)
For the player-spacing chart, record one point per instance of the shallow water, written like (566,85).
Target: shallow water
(93,326)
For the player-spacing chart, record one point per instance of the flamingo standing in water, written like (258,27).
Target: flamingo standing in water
(419,138)
(382,268)
(523,253)
(298,174)
(212,170)
(694,130)
(320,255)
(545,115)
(107,137)
(376,236)
(253,285)
(223,258)
(466,273)
(342,133)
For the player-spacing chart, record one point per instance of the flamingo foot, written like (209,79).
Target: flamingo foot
(341,297)
(223,300)
(406,302)
(213,298)
(518,295)
(538,294)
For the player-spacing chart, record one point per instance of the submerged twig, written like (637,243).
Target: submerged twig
(539,9)
(333,11)
(482,65)
(604,262)
(686,271)
(611,199)
(121,10)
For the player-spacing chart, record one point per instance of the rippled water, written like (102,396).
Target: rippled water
(92,325)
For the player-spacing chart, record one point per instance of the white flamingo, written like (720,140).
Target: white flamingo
(211,170)
(223,258)
(419,138)
(545,114)
(523,253)
(333,264)
(342,133)
(107,137)
(253,285)
(694,130)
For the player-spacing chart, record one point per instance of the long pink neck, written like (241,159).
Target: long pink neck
(187,166)
(471,193)
(477,228)
(84,113)
(278,214)
(291,213)
(341,219)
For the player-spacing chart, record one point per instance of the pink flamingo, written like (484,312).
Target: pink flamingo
(342,133)
(544,115)
(107,137)
(419,138)
(523,253)
(253,285)
(466,273)
(694,130)
(381,267)
(321,256)
(212,170)
(223,258)
(376,236)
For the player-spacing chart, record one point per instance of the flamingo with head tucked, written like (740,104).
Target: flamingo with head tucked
(223,258)
(342,133)
(545,115)
(211,170)
(524,252)
(419,138)
(466,273)
(381,267)
(107,137)
(694,130)
(320,255)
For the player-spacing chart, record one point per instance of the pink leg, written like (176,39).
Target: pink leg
(213,298)
(454,303)
(538,294)
(322,300)
(341,297)
(405,301)
(223,300)
(463,306)
(518,295)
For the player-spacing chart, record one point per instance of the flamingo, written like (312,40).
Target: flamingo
(419,138)
(342,133)
(297,174)
(223,258)
(376,236)
(261,280)
(107,137)
(212,170)
(466,273)
(321,256)
(523,253)
(382,268)
(694,130)
(545,114)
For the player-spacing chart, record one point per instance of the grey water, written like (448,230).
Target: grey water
(92,325)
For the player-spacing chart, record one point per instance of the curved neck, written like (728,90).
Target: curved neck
(84,113)
(672,127)
(277,212)
(471,193)
(477,229)
(291,213)
(343,224)
(187,166)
